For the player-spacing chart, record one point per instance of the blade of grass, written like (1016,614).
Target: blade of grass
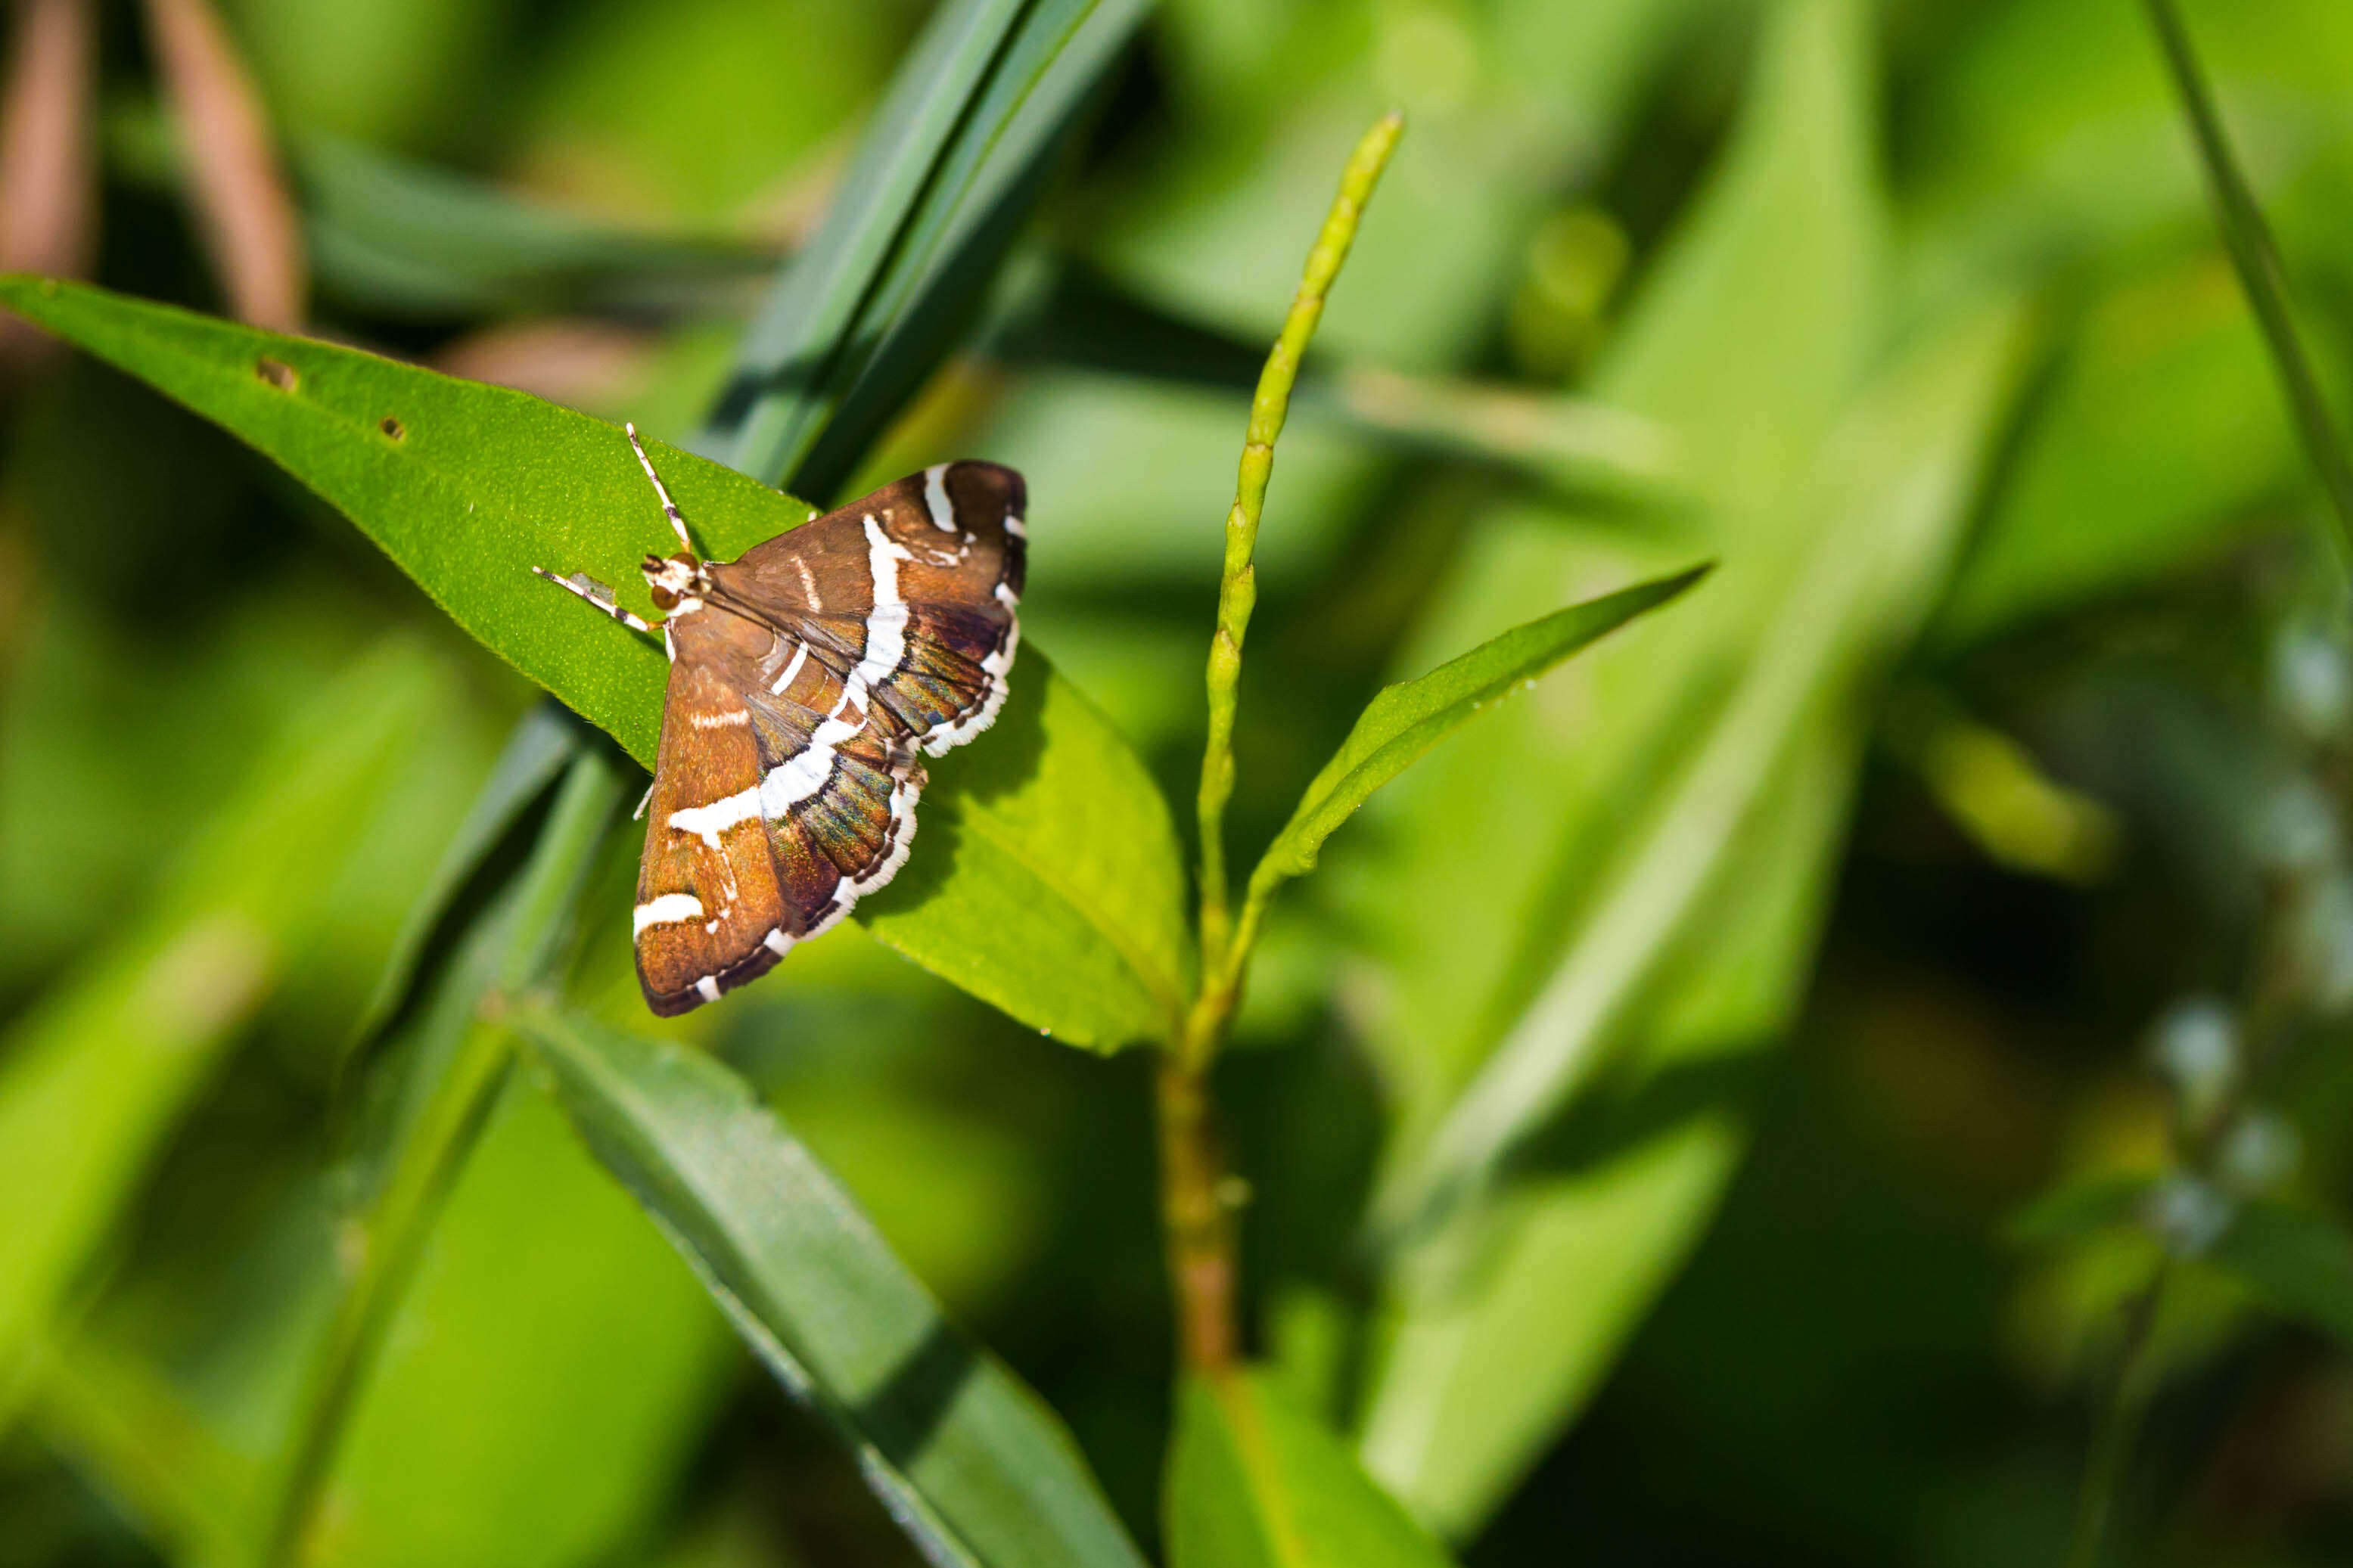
(967,1459)
(1052,70)
(1755,322)
(1503,1320)
(99,1072)
(553,1373)
(1573,444)
(971,112)
(2255,256)
(122,1424)
(543,742)
(772,412)
(459,1060)
(395,236)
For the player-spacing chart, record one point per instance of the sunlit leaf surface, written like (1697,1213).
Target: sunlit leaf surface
(467,487)
(1404,721)
(958,1448)
(1252,1483)
(94,1080)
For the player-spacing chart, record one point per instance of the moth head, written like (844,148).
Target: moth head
(673,579)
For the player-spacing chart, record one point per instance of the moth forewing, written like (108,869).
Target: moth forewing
(805,677)
(709,913)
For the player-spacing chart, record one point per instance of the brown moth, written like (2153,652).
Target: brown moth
(805,677)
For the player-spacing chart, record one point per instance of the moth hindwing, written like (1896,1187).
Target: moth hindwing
(807,679)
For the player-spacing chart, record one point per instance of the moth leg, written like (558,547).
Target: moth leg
(669,508)
(601,596)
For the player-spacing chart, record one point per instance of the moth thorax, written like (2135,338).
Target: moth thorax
(673,579)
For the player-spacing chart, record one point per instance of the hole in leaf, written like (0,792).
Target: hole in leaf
(277,373)
(391,427)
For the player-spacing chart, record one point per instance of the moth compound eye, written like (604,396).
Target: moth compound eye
(664,600)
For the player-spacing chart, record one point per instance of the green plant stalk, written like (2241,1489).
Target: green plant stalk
(2119,1422)
(2257,259)
(1238,586)
(1198,1217)
(1196,1205)
(385,1249)
(433,1152)
(120,1421)
(2266,1002)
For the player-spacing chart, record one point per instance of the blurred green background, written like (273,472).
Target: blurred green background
(2029,654)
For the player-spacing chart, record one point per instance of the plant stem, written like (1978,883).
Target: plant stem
(2119,1421)
(1195,1203)
(1238,587)
(514,950)
(1200,1220)
(2266,1005)
(386,1247)
(2249,241)
(120,1421)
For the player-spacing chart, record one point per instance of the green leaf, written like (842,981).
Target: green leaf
(1404,721)
(1750,343)
(1086,321)
(1747,342)
(543,742)
(2298,1260)
(481,484)
(391,234)
(965,1456)
(99,1071)
(1253,1483)
(969,116)
(1695,948)
(1898,483)
(2248,238)
(455,1063)
(2081,1207)
(543,1391)
(2167,380)
(120,1423)
(1049,881)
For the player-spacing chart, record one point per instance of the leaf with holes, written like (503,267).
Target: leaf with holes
(1050,883)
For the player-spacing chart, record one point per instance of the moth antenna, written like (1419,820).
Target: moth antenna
(669,508)
(596,593)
